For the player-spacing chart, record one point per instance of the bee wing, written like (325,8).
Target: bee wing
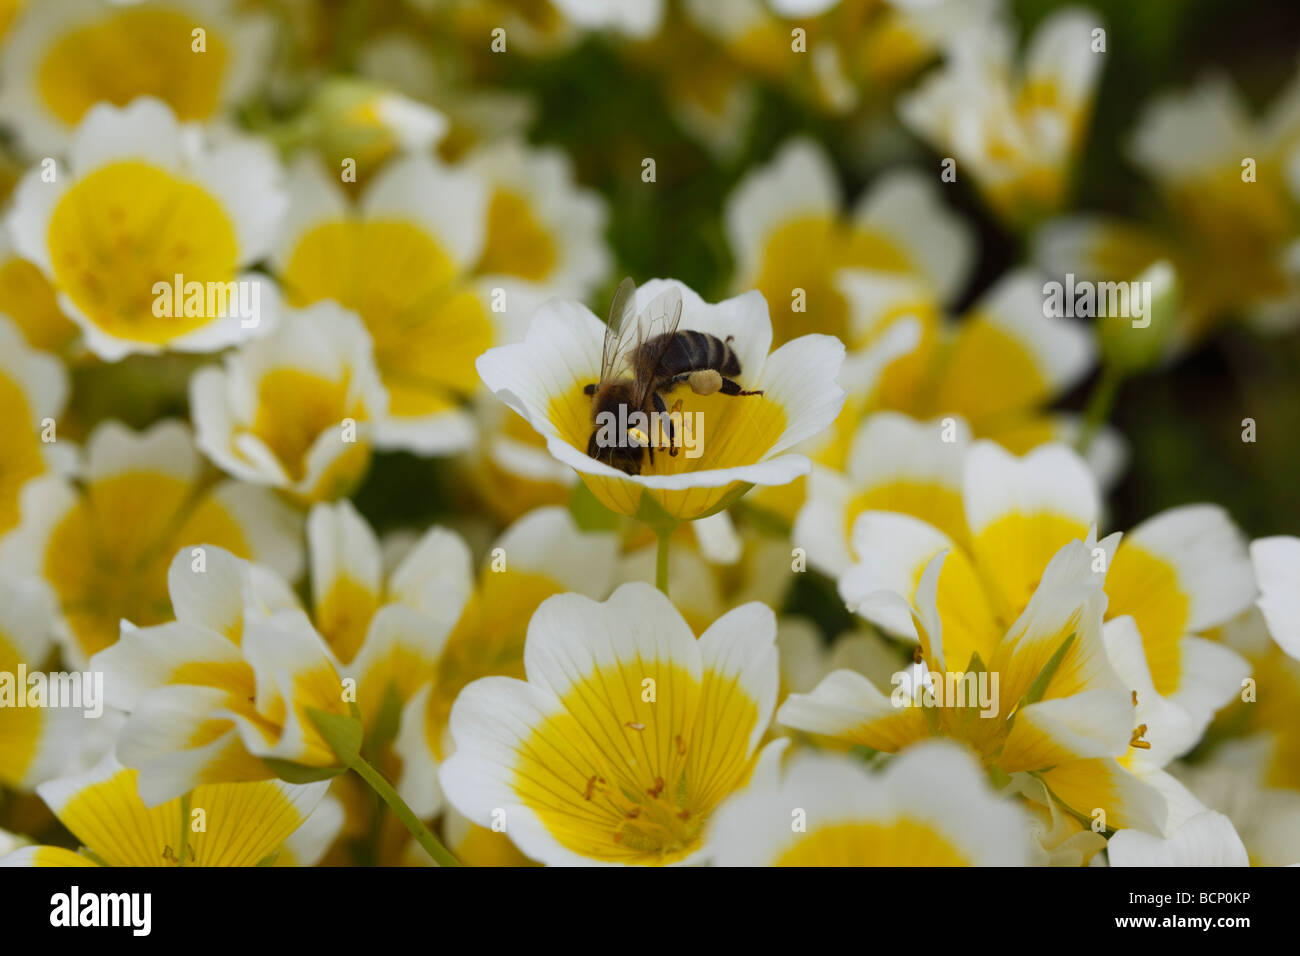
(619,329)
(663,315)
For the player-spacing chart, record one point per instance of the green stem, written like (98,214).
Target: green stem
(661,559)
(422,834)
(185,830)
(1100,403)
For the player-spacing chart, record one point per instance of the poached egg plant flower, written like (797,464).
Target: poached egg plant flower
(239,687)
(146,204)
(932,806)
(1016,125)
(741,440)
(102,535)
(294,409)
(63,58)
(626,735)
(244,824)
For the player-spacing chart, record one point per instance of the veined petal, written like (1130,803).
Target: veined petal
(1007,356)
(1205,840)
(896,550)
(1181,572)
(930,807)
(229,824)
(45,856)
(848,707)
(1067,605)
(1086,786)
(1091,723)
(623,739)
(1277,566)
(1021,512)
(347,583)
(797,183)
(905,206)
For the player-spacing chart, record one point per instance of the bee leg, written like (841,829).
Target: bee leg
(730,387)
(672,432)
(662,409)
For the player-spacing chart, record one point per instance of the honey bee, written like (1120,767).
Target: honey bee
(641,361)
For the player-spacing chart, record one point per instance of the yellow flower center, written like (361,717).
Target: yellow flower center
(488,640)
(27,297)
(295,408)
(124,228)
(20,727)
(107,558)
(902,842)
(619,776)
(20,452)
(517,244)
(428,328)
(806,253)
(131,53)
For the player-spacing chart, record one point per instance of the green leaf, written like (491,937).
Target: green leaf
(291,772)
(863,752)
(343,734)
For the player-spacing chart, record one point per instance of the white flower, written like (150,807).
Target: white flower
(33,390)
(1277,568)
(402,260)
(1015,127)
(35,742)
(102,537)
(635,18)
(541,226)
(540,555)
(626,735)
(932,806)
(141,202)
(62,58)
(1207,839)
(786,228)
(296,408)
(745,439)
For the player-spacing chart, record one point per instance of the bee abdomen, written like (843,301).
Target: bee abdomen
(691,351)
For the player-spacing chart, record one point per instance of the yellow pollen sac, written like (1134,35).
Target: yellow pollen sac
(1137,741)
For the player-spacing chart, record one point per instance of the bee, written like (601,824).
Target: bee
(641,361)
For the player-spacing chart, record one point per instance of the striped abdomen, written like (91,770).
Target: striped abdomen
(689,351)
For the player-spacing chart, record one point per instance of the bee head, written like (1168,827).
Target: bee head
(625,456)
(616,438)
